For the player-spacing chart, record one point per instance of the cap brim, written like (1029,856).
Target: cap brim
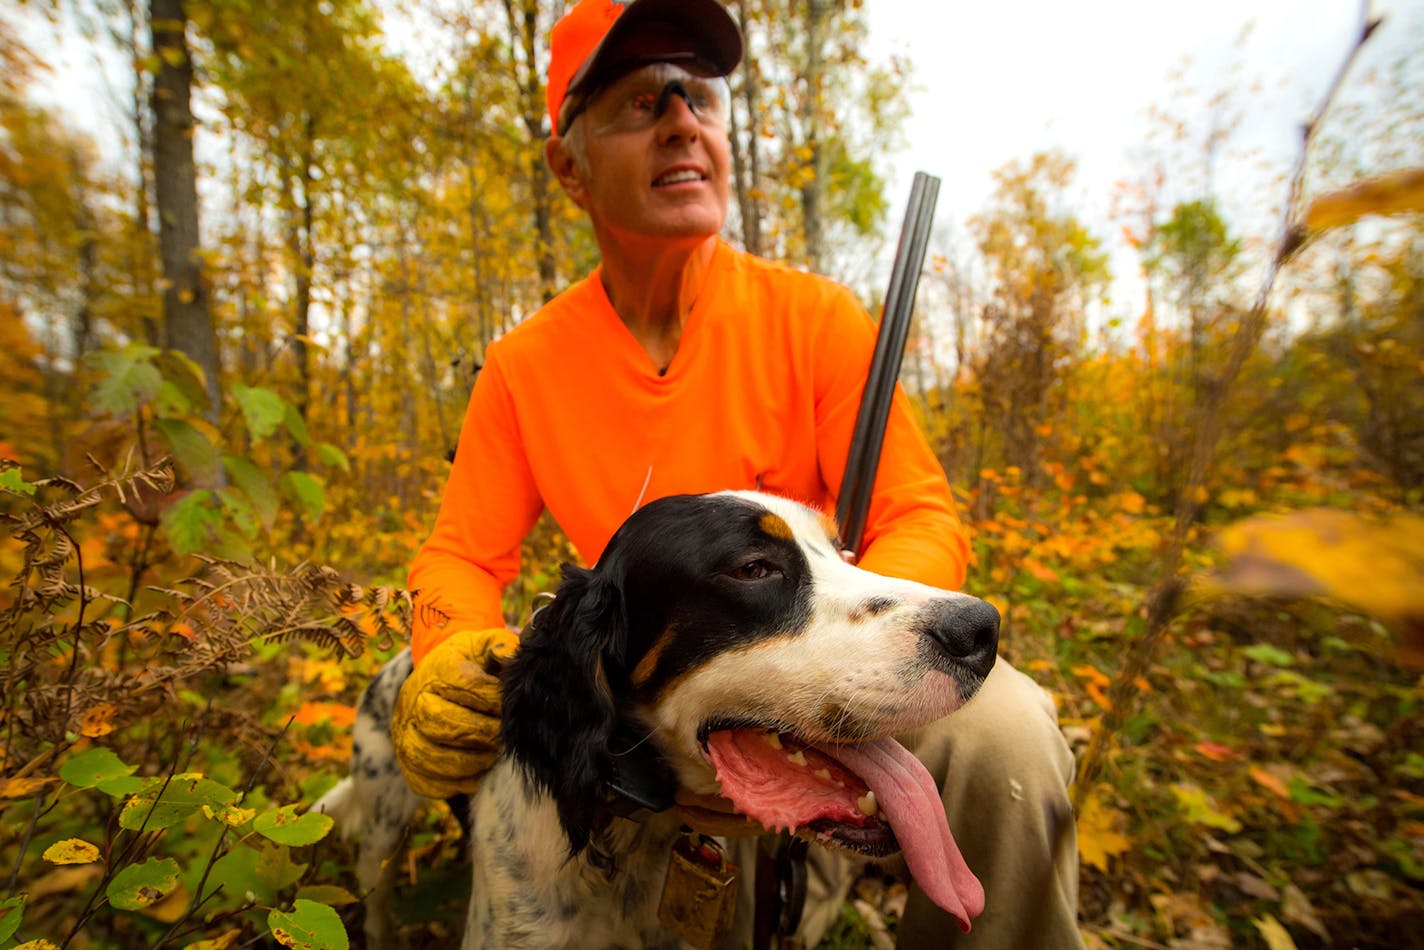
(711,34)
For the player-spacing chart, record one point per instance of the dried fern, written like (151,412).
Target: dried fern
(72,651)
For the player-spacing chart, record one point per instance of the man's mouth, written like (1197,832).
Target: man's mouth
(678,177)
(871,797)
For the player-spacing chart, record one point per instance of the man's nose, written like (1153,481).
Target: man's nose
(676,115)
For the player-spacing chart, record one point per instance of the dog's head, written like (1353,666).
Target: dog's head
(728,630)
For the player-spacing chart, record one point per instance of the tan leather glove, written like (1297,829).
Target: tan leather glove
(445,727)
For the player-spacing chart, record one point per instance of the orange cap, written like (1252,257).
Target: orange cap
(591,37)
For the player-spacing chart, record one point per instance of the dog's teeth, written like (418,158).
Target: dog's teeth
(867,804)
(823,774)
(772,739)
(797,758)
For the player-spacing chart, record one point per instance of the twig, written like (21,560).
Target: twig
(1162,602)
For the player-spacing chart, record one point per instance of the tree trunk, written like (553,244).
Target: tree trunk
(188,327)
(746,152)
(524,33)
(814,184)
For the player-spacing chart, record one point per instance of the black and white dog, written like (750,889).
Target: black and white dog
(723,638)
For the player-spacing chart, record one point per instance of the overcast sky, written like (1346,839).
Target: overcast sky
(997,81)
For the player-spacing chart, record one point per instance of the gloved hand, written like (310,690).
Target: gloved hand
(445,726)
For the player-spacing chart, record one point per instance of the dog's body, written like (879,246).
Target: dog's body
(725,633)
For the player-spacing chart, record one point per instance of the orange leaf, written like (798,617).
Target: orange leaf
(340,715)
(1217,752)
(23,787)
(1092,674)
(1270,781)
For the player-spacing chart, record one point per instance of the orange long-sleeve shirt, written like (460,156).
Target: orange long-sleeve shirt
(569,413)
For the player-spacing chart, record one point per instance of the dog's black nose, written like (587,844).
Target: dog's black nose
(967,631)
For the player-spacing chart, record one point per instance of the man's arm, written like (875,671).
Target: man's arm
(490,503)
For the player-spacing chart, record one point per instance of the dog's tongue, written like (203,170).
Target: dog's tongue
(754,773)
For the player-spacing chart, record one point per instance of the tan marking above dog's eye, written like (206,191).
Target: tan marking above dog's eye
(775,526)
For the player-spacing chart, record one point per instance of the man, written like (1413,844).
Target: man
(684,365)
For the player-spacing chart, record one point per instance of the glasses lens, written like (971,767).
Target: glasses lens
(639,99)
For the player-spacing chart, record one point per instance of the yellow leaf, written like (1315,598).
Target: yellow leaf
(1098,838)
(226,941)
(23,787)
(1397,192)
(36,945)
(1271,931)
(171,906)
(98,720)
(1373,564)
(1203,809)
(71,851)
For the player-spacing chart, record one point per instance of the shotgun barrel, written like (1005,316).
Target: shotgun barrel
(863,459)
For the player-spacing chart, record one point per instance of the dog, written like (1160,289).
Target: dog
(722,645)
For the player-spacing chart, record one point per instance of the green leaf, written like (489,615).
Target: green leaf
(185,795)
(276,868)
(254,484)
(185,376)
(236,873)
(191,522)
(12,482)
(129,380)
(92,768)
(284,826)
(12,911)
(1265,653)
(332,456)
(310,926)
(193,450)
(308,491)
(143,885)
(262,409)
(171,402)
(330,894)
(296,425)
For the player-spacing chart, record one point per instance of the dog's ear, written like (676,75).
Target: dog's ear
(559,713)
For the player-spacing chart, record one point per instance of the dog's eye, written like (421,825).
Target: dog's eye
(755,570)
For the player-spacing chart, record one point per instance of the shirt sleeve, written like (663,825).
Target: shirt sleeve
(490,503)
(912,528)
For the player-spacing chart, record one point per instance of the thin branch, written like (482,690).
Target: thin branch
(1209,423)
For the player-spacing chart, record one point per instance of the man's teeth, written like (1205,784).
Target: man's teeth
(675,178)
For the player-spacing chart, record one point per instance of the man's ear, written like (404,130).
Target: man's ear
(561,162)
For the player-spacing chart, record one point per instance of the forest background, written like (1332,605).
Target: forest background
(232,380)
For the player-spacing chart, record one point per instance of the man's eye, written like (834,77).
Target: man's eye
(755,571)
(642,102)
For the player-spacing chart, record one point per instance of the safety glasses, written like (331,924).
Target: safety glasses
(636,100)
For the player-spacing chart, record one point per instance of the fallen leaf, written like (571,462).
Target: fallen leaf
(1271,931)
(1098,837)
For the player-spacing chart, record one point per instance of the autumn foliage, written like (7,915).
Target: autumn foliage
(1198,511)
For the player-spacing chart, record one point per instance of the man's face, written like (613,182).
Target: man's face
(658,155)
